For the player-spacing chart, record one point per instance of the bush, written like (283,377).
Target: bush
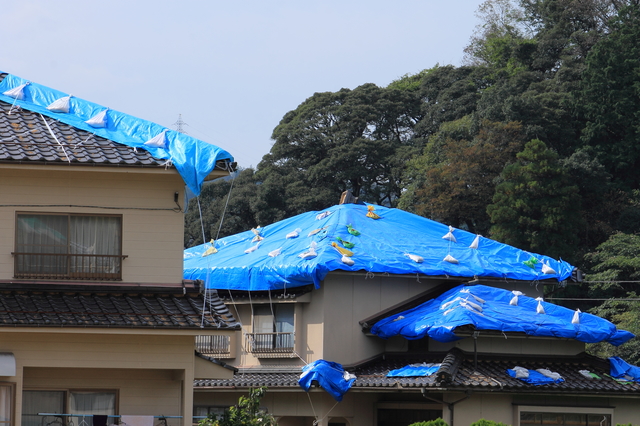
(483,422)
(246,413)
(436,422)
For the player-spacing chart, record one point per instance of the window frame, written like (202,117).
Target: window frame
(273,349)
(22,272)
(12,403)
(553,409)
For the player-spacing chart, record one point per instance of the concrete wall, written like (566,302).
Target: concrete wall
(153,239)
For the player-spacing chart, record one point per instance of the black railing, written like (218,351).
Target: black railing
(68,266)
(269,343)
(213,345)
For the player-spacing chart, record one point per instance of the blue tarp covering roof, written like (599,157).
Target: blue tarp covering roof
(397,243)
(415,370)
(621,369)
(329,375)
(193,159)
(490,308)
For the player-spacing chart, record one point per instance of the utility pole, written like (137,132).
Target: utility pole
(180,125)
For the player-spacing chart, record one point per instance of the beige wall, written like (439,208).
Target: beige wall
(153,239)
(152,373)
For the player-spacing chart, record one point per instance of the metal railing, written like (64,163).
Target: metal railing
(218,345)
(270,343)
(68,266)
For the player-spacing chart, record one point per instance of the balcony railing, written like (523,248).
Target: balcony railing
(68,266)
(218,345)
(270,344)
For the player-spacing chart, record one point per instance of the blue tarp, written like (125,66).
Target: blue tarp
(414,370)
(535,378)
(384,245)
(489,308)
(620,369)
(193,159)
(329,375)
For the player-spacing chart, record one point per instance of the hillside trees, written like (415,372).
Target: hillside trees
(536,207)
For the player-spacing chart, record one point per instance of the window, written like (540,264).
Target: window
(65,402)
(6,404)
(273,330)
(564,416)
(68,246)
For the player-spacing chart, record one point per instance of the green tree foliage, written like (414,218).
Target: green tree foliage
(356,140)
(461,176)
(436,422)
(610,98)
(246,413)
(536,207)
(483,422)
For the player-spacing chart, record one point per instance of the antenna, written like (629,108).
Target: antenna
(180,125)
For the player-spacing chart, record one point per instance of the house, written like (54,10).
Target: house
(327,285)
(95,318)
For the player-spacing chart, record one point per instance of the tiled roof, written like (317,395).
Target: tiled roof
(24,137)
(457,373)
(112,309)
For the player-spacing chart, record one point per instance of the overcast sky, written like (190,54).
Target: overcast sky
(232,68)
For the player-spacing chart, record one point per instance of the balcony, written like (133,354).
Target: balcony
(271,345)
(218,346)
(68,266)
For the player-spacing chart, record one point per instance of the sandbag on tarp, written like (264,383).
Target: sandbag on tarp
(193,159)
(415,370)
(329,375)
(620,369)
(344,238)
(490,308)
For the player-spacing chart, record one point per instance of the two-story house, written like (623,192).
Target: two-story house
(95,318)
(319,285)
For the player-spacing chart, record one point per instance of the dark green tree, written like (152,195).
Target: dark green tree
(536,207)
(610,98)
(357,140)
(459,175)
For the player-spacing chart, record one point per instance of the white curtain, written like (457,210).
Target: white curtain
(5,404)
(34,402)
(102,403)
(94,235)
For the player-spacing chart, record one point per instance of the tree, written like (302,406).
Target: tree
(536,207)
(610,98)
(457,187)
(357,140)
(246,413)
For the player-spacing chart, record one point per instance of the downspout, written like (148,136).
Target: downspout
(449,404)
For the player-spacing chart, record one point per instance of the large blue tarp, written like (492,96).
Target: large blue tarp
(329,375)
(193,159)
(621,369)
(384,245)
(490,308)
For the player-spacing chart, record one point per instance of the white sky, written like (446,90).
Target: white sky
(232,68)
